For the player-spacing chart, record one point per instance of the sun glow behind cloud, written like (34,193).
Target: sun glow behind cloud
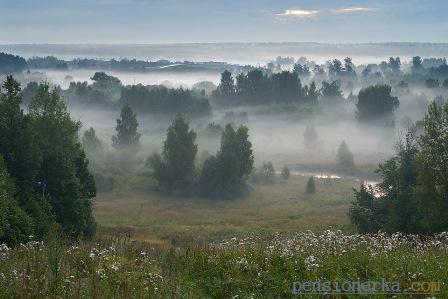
(298,13)
(348,10)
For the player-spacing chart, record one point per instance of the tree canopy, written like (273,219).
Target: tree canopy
(375,101)
(48,170)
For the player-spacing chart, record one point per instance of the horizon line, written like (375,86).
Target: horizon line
(216,43)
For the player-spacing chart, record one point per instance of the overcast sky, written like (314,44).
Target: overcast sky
(173,21)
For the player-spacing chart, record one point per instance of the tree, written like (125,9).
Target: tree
(64,177)
(15,225)
(310,186)
(11,63)
(413,194)
(367,71)
(29,91)
(310,137)
(175,169)
(227,85)
(432,193)
(345,156)
(445,83)
(267,173)
(91,143)
(225,174)
(391,205)
(302,71)
(331,92)
(349,67)
(103,79)
(23,157)
(417,64)
(253,87)
(311,93)
(160,99)
(286,87)
(394,65)
(335,68)
(432,83)
(285,174)
(127,137)
(366,212)
(375,101)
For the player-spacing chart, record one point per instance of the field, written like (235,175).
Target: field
(283,207)
(395,266)
(268,245)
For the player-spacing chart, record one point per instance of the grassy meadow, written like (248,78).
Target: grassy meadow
(155,246)
(284,207)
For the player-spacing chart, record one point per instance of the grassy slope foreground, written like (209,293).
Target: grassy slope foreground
(220,249)
(282,207)
(236,268)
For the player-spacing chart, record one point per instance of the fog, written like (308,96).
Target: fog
(276,136)
(168,78)
(240,53)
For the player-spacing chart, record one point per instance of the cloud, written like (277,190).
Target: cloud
(298,13)
(353,9)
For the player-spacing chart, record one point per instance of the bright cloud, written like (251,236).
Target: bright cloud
(347,10)
(298,13)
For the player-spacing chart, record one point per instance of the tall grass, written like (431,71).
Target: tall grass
(249,267)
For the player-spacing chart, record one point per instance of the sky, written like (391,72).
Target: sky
(186,21)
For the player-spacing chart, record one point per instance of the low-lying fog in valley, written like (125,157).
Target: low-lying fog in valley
(277,136)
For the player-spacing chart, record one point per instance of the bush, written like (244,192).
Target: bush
(285,173)
(345,156)
(310,186)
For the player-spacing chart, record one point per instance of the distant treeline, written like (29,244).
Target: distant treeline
(258,87)
(165,100)
(11,64)
(107,91)
(284,82)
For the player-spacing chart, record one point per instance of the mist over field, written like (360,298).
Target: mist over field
(223,149)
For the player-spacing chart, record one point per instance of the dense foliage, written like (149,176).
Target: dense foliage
(225,174)
(44,174)
(175,169)
(11,63)
(160,99)
(376,101)
(413,194)
(127,138)
(257,87)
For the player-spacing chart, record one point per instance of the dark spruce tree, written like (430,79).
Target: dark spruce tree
(91,144)
(345,156)
(225,174)
(285,174)
(310,186)
(175,169)
(127,138)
